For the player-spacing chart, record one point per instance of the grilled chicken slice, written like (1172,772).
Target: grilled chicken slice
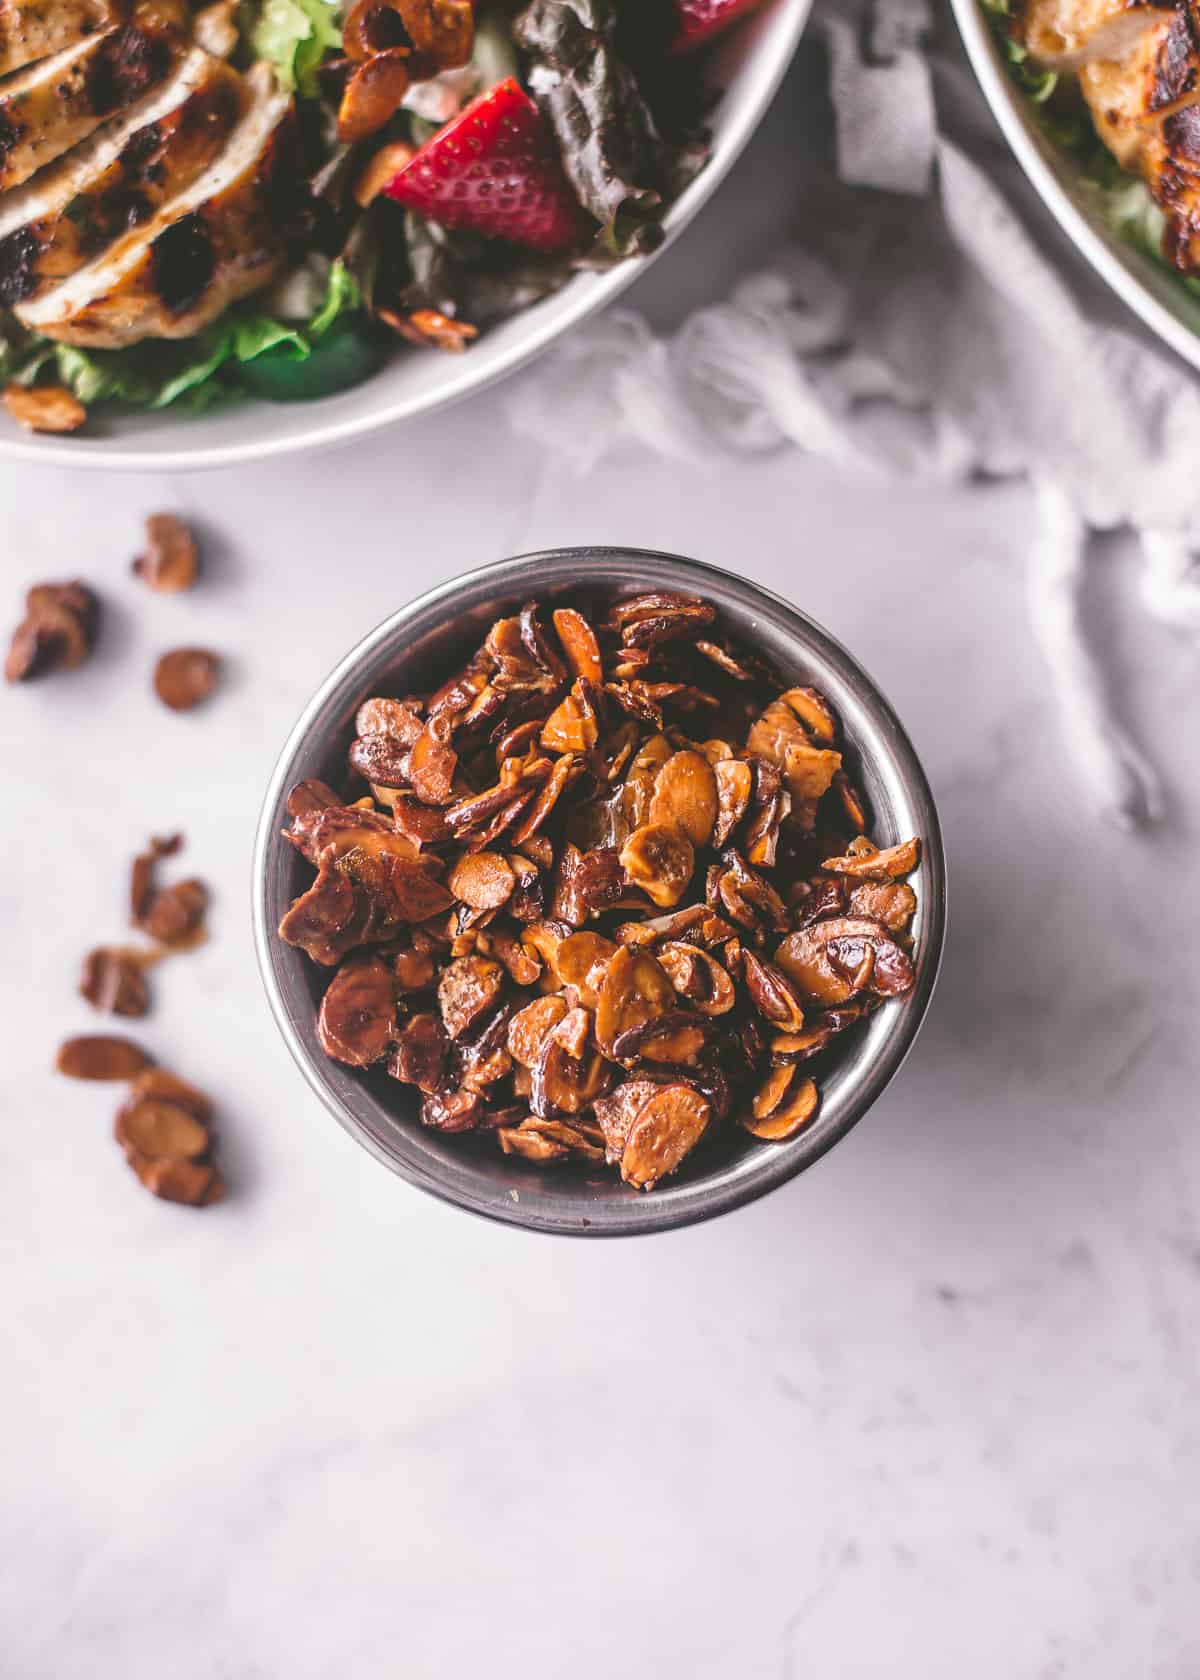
(51,106)
(1129,97)
(128,171)
(1170,165)
(33,29)
(1066,34)
(228,235)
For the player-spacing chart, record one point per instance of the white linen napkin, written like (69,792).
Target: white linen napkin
(910,327)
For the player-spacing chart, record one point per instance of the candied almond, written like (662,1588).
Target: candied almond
(44,408)
(483,880)
(157,1083)
(560,775)
(382,168)
(101,1056)
(685,796)
(676,1037)
(357,1020)
(565,1084)
(185,676)
(114,980)
(193,1183)
(545,799)
(814,712)
(832,961)
(174,914)
(852,801)
(57,632)
(774,995)
(530,1027)
(781,1109)
(161,1130)
(580,961)
(452,1111)
(172,559)
(574,1031)
(579,643)
(634,990)
(724,661)
(572,726)
(419,1056)
(372,95)
(617,1112)
(468,987)
(433,760)
(735,783)
(659,859)
(523,964)
(531,1144)
(893,903)
(430,329)
(666,1130)
(697,976)
(887,865)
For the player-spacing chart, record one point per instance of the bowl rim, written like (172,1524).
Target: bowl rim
(689,1203)
(1118,265)
(765,69)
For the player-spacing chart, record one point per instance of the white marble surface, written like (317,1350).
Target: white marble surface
(933,1409)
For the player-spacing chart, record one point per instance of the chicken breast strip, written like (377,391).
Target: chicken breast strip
(51,106)
(228,235)
(116,181)
(34,29)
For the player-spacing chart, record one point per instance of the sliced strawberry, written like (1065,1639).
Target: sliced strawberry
(699,20)
(495,169)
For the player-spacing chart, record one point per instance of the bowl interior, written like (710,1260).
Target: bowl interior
(748,68)
(415,649)
(1161,301)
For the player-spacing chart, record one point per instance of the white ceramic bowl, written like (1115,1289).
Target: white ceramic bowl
(749,67)
(1163,304)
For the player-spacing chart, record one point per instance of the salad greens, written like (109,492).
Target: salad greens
(194,372)
(294,36)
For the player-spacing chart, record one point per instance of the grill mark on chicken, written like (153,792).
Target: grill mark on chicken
(182,262)
(18,267)
(129,63)
(50,107)
(226,236)
(84,206)
(144,187)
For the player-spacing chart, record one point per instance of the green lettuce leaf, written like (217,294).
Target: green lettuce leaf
(193,373)
(1037,84)
(295,36)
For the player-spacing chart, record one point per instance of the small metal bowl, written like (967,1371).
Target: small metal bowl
(412,650)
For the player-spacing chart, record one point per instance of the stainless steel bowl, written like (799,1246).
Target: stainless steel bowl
(407,652)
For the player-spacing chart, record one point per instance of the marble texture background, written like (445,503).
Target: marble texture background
(933,1409)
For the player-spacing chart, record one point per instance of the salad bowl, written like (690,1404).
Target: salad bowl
(1162,299)
(746,69)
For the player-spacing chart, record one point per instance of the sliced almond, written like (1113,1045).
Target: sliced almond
(887,865)
(161,1130)
(790,1114)
(579,644)
(659,859)
(667,1129)
(483,880)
